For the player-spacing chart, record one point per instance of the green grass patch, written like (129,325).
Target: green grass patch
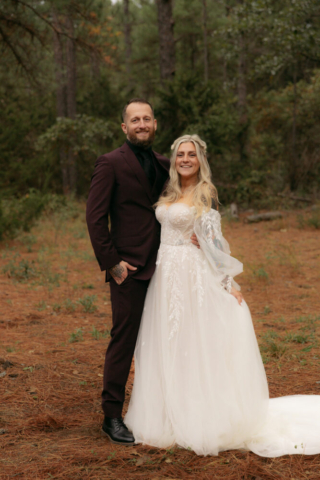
(76,336)
(87,303)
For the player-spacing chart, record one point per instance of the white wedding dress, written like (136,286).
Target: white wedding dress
(199,379)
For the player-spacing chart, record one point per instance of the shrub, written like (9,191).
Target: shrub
(87,303)
(18,214)
(22,271)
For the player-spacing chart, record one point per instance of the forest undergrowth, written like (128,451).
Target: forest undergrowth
(55,322)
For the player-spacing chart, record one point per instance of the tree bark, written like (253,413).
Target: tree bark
(294,158)
(242,98)
(128,42)
(166,39)
(61,99)
(205,39)
(71,97)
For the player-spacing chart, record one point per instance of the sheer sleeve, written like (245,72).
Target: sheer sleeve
(216,249)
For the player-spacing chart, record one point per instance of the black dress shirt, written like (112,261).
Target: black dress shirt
(146,160)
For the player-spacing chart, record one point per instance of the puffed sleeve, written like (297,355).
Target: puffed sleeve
(216,249)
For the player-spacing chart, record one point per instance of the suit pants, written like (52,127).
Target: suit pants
(127,302)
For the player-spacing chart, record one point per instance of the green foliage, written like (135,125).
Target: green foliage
(272,347)
(80,134)
(88,286)
(41,306)
(261,274)
(96,334)
(21,271)
(69,305)
(76,336)
(189,106)
(87,303)
(20,214)
(56,307)
(29,241)
(251,161)
(313,220)
(297,338)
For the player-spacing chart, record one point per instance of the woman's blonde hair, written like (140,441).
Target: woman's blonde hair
(204,192)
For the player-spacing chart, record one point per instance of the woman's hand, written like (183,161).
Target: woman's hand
(238,295)
(194,240)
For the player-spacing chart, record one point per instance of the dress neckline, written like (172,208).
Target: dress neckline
(178,203)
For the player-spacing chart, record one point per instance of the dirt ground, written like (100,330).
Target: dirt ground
(55,320)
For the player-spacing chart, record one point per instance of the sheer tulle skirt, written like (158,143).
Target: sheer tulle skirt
(199,379)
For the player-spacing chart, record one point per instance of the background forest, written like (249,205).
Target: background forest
(243,74)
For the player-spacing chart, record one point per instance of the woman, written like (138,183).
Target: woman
(199,379)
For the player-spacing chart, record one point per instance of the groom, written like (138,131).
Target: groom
(125,185)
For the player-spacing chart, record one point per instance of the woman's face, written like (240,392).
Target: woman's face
(187,163)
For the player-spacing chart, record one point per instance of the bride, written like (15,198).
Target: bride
(199,379)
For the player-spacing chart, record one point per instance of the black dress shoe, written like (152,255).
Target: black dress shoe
(116,430)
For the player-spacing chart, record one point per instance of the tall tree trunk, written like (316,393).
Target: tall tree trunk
(71,97)
(294,157)
(61,98)
(205,39)
(166,39)
(242,98)
(127,39)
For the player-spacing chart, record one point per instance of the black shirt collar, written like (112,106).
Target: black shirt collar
(137,149)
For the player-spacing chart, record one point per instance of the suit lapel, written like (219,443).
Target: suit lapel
(135,166)
(162,161)
(161,165)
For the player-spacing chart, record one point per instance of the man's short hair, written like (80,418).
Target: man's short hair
(135,100)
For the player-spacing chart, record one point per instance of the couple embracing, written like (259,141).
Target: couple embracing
(199,378)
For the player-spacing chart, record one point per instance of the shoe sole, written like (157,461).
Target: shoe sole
(115,442)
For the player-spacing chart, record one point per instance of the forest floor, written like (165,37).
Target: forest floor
(55,320)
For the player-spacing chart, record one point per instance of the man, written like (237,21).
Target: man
(125,185)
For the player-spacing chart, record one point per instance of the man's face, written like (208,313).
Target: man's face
(139,124)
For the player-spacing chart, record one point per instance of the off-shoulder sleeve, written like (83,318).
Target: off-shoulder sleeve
(216,248)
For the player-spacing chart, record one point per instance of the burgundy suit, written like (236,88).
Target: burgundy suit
(120,190)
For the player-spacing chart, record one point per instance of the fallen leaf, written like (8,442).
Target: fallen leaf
(75,372)
(142,460)
(135,452)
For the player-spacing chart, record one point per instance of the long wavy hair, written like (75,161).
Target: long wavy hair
(204,192)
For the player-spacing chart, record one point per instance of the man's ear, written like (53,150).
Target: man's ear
(124,128)
(155,124)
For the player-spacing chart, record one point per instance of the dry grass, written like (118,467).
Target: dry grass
(52,349)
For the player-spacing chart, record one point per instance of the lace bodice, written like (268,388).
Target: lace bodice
(177,223)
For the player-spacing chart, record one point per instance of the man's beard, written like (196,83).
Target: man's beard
(142,143)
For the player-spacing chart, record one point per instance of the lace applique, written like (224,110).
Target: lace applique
(227,283)
(211,225)
(197,272)
(177,227)
(174,289)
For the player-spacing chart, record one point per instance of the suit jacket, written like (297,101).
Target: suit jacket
(120,190)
